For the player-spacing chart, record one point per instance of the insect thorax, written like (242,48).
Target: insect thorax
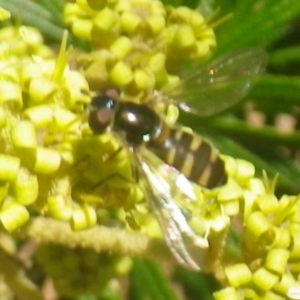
(138,123)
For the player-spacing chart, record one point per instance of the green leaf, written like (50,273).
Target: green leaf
(259,24)
(196,285)
(277,91)
(148,282)
(55,7)
(239,129)
(281,57)
(35,15)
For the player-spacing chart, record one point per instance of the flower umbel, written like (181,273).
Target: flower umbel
(139,44)
(37,106)
(268,259)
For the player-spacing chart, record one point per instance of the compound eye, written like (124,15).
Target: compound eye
(101,113)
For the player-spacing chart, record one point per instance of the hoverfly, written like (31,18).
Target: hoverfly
(169,159)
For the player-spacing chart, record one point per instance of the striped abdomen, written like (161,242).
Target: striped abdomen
(190,155)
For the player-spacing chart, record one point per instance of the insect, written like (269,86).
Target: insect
(169,159)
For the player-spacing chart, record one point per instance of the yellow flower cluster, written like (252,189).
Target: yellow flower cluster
(137,45)
(47,151)
(37,102)
(268,267)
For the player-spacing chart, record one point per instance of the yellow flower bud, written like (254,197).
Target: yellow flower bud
(265,279)
(197,21)
(40,89)
(157,62)
(63,118)
(276,260)
(13,216)
(130,22)
(282,238)
(59,207)
(71,13)
(120,74)
(267,203)
(46,161)
(26,189)
(231,208)
(144,80)
(82,28)
(121,47)
(184,37)
(201,50)
(83,217)
(230,191)
(105,19)
(28,72)
(245,171)
(227,293)
(181,14)
(9,167)
(156,23)
(23,135)
(238,275)
(11,95)
(40,116)
(258,224)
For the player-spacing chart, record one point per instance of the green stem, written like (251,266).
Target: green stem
(241,129)
(150,282)
(277,92)
(269,19)
(99,238)
(283,56)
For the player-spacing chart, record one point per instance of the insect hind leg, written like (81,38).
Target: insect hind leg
(132,179)
(110,178)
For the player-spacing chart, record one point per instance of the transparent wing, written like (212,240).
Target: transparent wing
(223,83)
(163,184)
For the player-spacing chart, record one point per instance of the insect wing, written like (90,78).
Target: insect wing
(158,178)
(221,84)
